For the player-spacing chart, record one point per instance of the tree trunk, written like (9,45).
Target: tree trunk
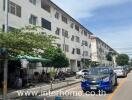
(5,79)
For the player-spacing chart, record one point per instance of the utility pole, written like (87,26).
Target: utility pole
(6,15)
(5,59)
(83,57)
(64,40)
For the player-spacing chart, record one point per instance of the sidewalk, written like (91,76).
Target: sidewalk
(54,86)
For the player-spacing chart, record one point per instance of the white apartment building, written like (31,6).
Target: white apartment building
(74,39)
(100,50)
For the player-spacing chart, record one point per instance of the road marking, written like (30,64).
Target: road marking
(116,90)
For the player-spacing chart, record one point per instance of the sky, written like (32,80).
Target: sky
(110,20)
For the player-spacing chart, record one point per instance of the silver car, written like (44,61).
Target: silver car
(120,71)
(81,73)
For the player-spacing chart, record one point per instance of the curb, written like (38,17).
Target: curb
(66,85)
(42,88)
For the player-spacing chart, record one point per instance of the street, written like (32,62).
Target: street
(52,50)
(122,91)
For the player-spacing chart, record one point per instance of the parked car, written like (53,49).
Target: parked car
(69,74)
(120,71)
(130,67)
(81,73)
(127,67)
(99,78)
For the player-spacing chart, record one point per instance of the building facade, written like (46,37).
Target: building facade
(100,51)
(74,39)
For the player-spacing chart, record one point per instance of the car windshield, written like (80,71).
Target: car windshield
(85,71)
(98,71)
(118,68)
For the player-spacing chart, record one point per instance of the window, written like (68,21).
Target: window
(57,32)
(33,20)
(85,33)
(77,27)
(46,24)
(85,53)
(64,19)
(89,45)
(57,15)
(84,43)
(3,28)
(45,5)
(59,45)
(66,48)
(18,11)
(3,4)
(72,25)
(14,9)
(82,32)
(78,51)
(73,51)
(77,39)
(65,33)
(72,38)
(78,64)
(33,1)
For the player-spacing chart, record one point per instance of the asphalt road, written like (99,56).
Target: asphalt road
(122,92)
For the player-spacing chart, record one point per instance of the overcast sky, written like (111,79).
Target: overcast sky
(111,20)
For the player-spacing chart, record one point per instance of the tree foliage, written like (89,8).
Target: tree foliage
(109,57)
(122,59)
(25,41)
(94,64)
(57,57)
(86,62)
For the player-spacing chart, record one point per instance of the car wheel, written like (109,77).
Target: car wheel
(84,91)
(111,89)
(125,75)
(116,83)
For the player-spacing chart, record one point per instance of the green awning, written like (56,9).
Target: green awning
(33,59)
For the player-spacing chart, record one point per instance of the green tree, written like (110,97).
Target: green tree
(122,59)
(109,56)
(94,64)
(86,62)
(26,41)
(57,57)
